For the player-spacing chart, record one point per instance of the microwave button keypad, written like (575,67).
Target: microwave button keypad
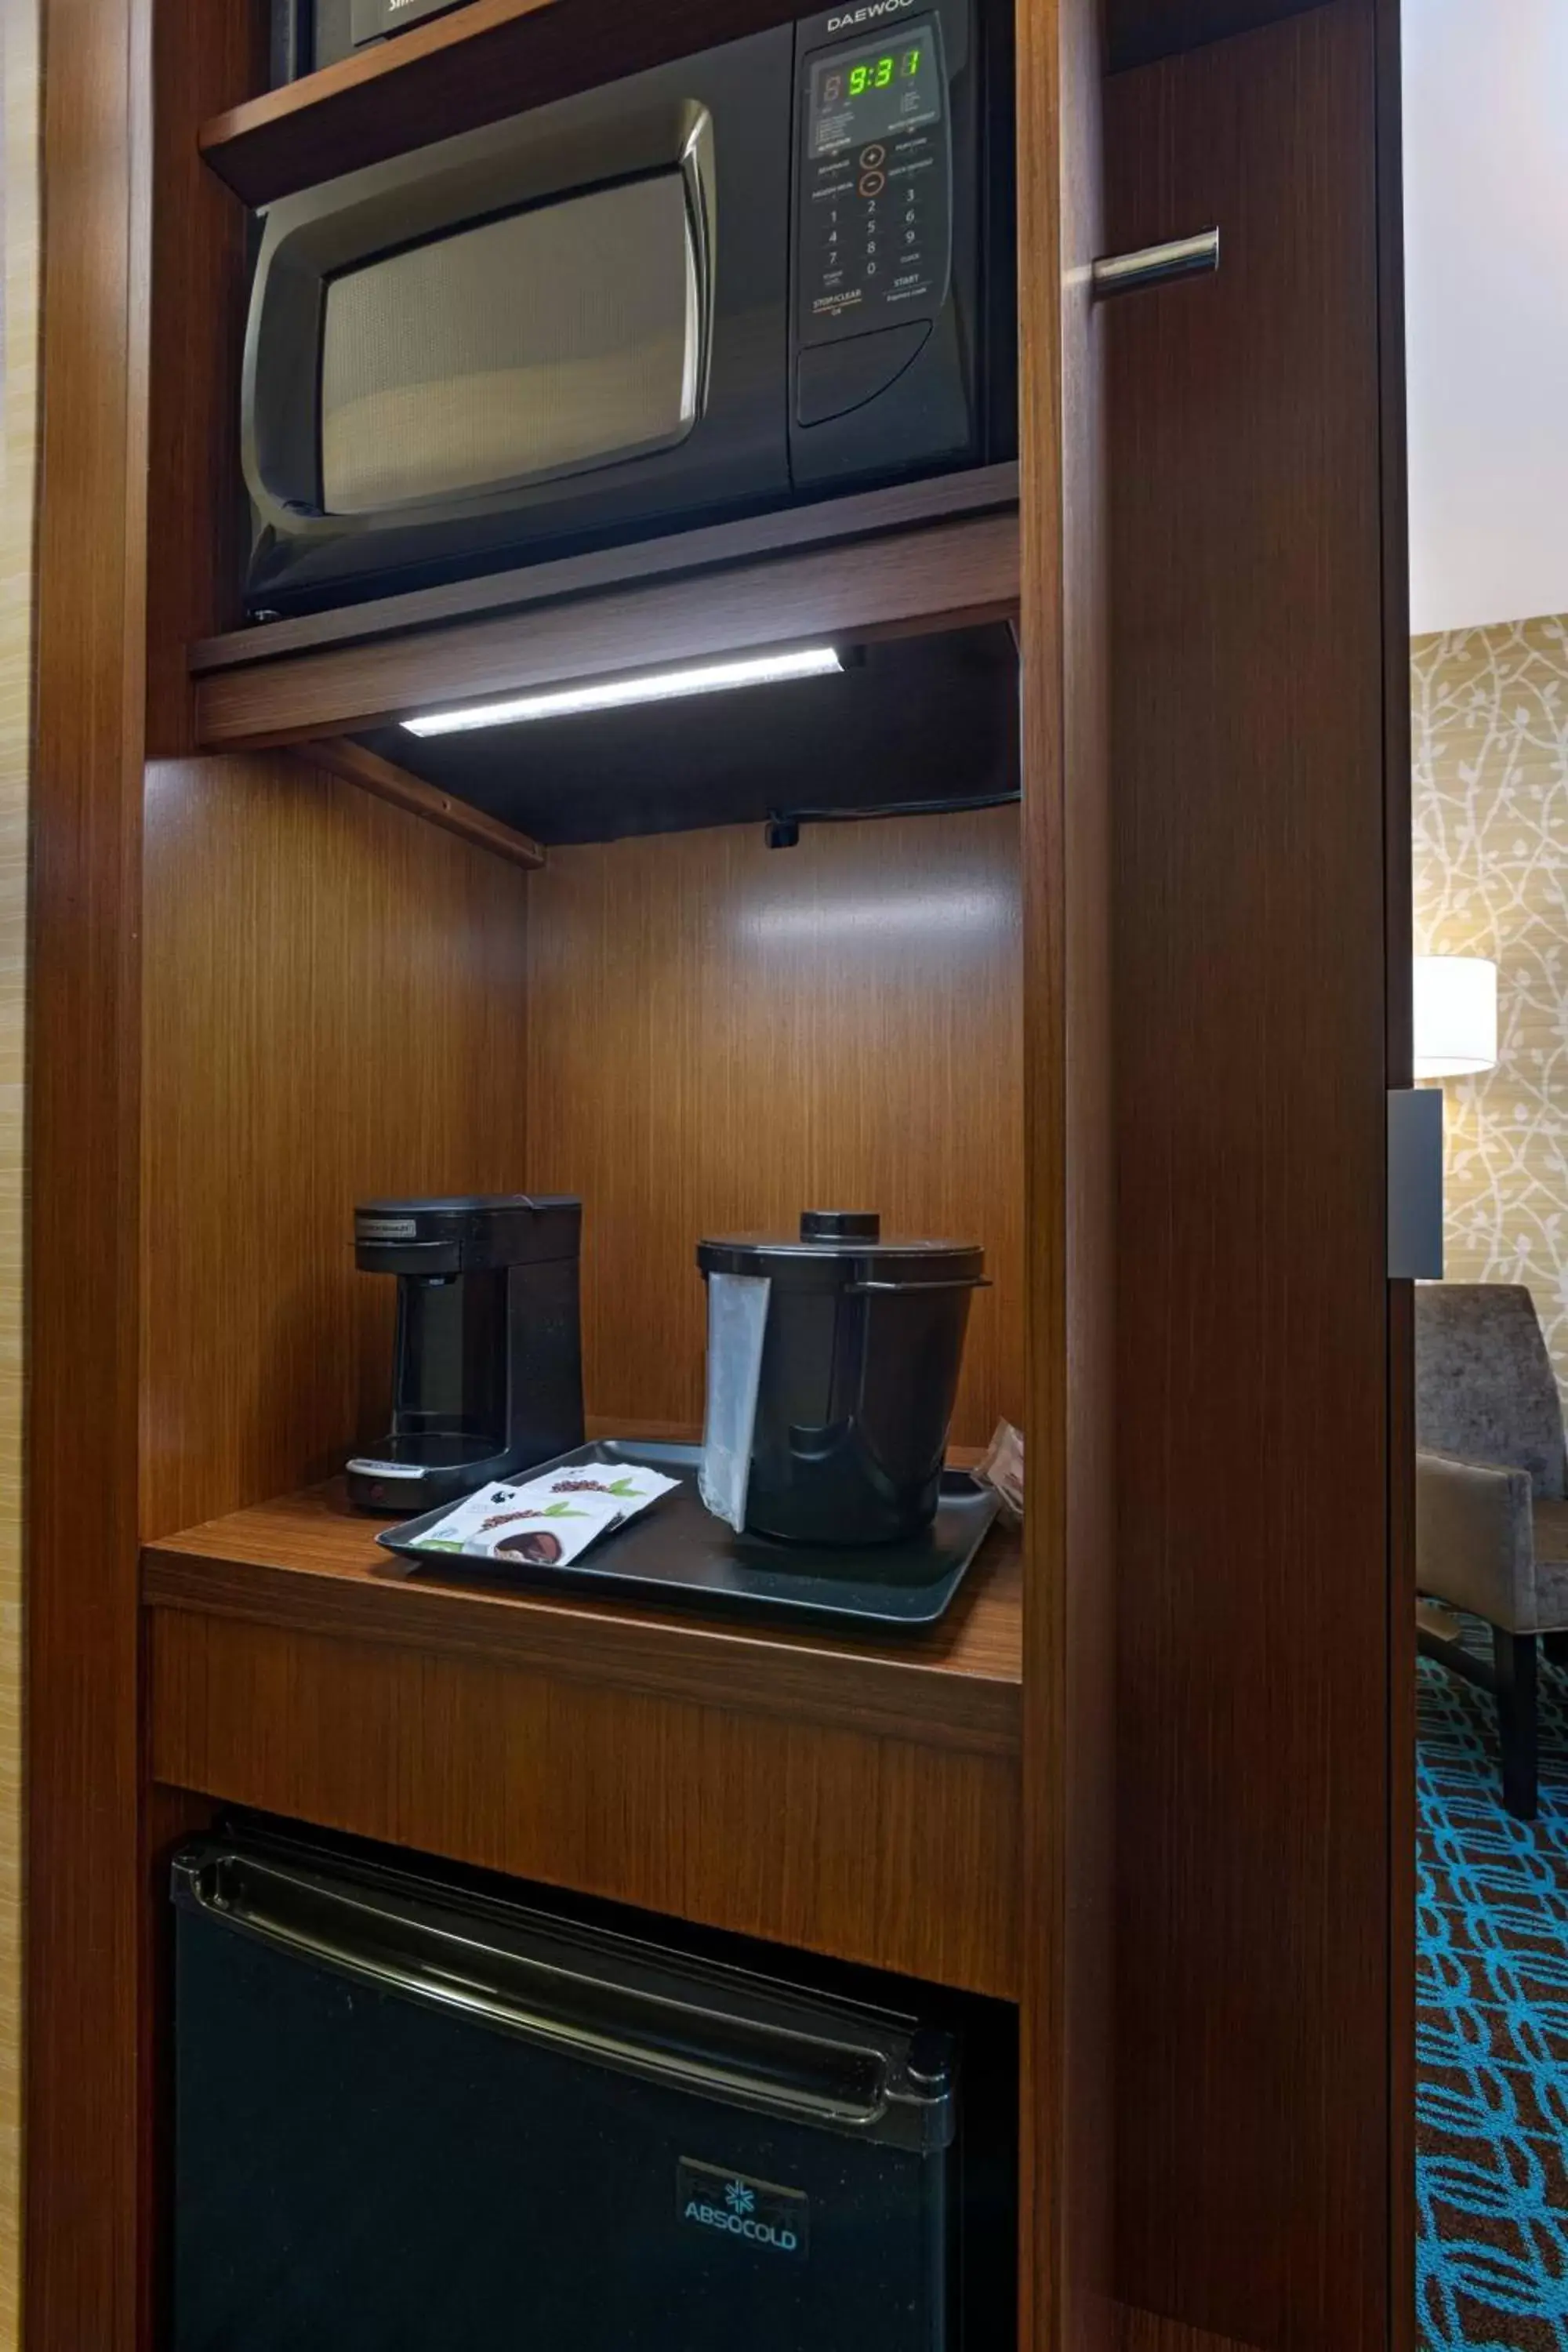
(875,232)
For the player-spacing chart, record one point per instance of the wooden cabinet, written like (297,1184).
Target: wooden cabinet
(1256,1649)
(1120,1786)
(848,1800)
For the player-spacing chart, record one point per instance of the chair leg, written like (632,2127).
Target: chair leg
(1513,1657)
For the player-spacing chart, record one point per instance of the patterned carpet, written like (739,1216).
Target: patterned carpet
(1492,2160)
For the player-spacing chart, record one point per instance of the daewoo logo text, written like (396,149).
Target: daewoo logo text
(868,15)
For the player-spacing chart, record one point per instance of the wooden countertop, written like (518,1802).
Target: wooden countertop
(308,1564)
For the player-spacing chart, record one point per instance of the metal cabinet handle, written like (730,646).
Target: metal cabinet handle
(1156,265)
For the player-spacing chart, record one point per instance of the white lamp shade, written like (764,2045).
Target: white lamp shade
(1456,1016)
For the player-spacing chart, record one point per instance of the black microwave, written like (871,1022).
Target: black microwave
(754,276)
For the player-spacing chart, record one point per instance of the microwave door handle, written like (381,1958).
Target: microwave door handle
(697,171)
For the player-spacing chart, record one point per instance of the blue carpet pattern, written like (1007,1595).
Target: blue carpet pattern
(1492,2028)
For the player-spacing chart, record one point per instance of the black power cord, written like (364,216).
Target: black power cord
(783,825)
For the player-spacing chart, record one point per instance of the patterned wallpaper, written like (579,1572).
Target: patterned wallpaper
(1491,802)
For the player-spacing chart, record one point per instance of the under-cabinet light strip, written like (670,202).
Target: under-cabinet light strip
(615,693)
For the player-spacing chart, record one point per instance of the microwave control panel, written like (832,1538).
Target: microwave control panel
(874,216)
(890,176)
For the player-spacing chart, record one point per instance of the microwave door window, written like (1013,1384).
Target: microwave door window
(550,342)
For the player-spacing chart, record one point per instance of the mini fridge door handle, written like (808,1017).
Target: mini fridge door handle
(447,1960)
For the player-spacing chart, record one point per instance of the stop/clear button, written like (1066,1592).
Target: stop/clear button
(871,156)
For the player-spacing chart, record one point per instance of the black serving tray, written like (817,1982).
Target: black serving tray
(676,1552)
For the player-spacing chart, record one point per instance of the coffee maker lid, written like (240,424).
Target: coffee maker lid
(466,1232)
(470,1203)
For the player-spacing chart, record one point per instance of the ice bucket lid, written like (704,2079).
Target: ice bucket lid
(838,1246)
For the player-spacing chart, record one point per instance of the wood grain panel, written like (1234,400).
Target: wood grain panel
(1143,2331)
(481,63)
(721,1035)
(869,1849)
(1138,32)
(357,765)
(1070,1571)
(203,59)
(310,1563)
(947,575)
(84,1884)
(1254,1868)
(861,514)
(1400,985)
(333,1011)
(20,95)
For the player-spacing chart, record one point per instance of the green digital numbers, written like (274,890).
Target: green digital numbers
(880,73)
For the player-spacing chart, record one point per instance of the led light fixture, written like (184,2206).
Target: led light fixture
(649,685)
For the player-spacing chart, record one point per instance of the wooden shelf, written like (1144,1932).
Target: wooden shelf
(933,555)
(824,522)
(311,1564)
(855,1799)
(477,65)
(357,765)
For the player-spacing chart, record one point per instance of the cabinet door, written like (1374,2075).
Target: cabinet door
(1069,1620)
(1255,668)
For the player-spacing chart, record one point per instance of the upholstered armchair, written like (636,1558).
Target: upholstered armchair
(1492,1499)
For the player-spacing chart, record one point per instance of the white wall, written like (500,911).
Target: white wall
(1485,128)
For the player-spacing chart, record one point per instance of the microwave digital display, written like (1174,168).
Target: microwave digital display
(861,97)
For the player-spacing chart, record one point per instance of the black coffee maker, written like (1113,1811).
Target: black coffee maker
(487,1367)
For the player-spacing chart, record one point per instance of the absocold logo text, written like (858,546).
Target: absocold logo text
(752,2212)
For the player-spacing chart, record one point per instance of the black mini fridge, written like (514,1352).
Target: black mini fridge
(413,2118)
